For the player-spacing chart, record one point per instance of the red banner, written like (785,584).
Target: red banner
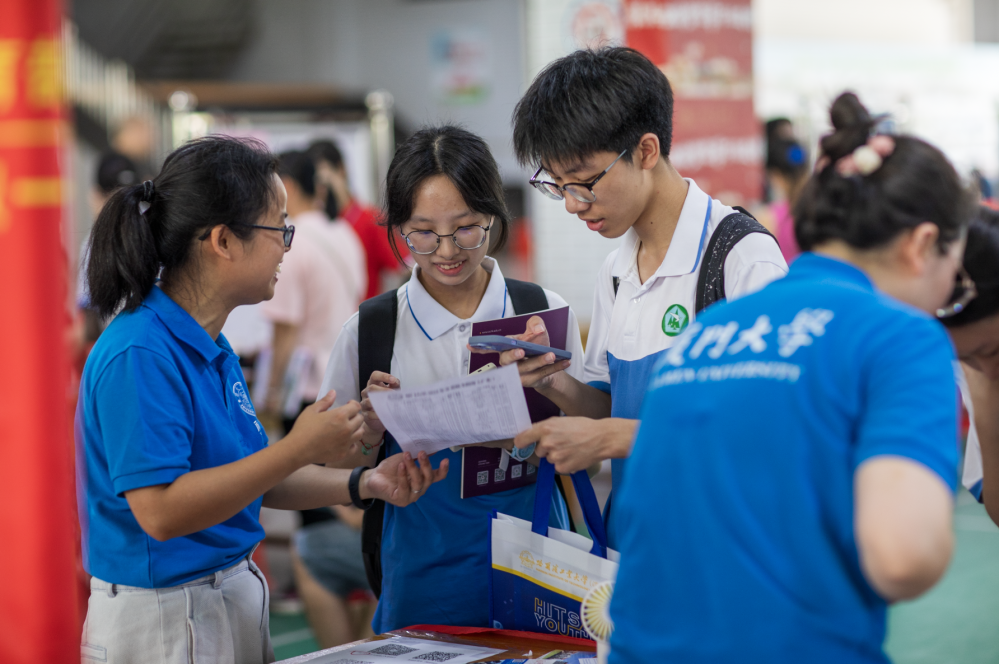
(38,608)
(705,48)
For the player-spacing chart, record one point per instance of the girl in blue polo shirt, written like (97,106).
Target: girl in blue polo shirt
(445,201)
(803,439)
(173,464)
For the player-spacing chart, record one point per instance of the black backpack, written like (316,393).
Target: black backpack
(375,340)
(711,277)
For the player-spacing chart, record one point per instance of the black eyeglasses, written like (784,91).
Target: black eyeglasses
(288,232)
(964,292)
(466,237)
(581,191)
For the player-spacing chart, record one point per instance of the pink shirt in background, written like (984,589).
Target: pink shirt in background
(323,279)
(784,223)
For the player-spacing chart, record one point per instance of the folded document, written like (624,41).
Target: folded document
(472,409)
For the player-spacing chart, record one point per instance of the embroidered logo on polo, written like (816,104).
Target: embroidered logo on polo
(243,398)
(675,320)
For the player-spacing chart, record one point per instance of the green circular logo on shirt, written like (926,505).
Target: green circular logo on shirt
(675,320)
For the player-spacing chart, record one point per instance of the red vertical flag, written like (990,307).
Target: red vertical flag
(38,610)
(705,47)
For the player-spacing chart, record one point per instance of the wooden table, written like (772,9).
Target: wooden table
(516,644)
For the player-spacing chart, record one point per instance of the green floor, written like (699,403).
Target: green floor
(956,622)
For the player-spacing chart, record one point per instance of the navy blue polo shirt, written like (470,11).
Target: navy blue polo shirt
(736,517)
(159,398)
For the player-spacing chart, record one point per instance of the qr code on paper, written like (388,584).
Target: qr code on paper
(482,477)
(392,649)
(436,656)
(516,471)
(499,475)
(531,469)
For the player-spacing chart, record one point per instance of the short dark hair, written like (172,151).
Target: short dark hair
(204,183)
(916,183)
(300,168)
(592,101)
(115,170)
(326,150)
(981,260)
(459,155)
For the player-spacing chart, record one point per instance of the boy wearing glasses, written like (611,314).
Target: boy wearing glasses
(597,125)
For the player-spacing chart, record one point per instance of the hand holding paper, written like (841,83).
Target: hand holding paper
(471,409)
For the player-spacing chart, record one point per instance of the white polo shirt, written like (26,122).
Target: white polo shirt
(438,547)
(630,330)
(430,341)
(973,472)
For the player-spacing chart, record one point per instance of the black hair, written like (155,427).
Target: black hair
(459,155)
(592,101)
(326,150)
(981,260)
(300,168)
(115,170)
(915,184)
(211,181)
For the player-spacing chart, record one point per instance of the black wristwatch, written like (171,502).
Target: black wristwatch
(354,485)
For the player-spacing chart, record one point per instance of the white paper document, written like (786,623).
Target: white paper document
(471,409)
(405,649)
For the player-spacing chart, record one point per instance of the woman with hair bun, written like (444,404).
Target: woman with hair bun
(823,490)
(173,464)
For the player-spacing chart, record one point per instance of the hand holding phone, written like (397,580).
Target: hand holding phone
(499,344)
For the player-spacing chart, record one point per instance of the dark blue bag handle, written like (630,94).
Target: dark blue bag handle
(587,500)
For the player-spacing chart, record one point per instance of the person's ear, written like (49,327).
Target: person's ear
(648,151)
(918,246)
(223,243)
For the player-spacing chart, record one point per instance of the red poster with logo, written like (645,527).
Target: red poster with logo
(38,605)
(705,48)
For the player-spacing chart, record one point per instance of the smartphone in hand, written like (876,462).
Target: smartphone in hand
(499,344)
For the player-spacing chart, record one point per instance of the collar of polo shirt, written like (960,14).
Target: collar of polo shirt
(435,320)
(686,246)
(183,327)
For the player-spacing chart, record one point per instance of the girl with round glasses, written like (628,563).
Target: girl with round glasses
(445,199)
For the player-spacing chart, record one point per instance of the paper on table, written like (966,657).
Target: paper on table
(471,409)
(406,649)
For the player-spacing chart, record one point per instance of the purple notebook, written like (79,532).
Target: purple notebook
(481,473)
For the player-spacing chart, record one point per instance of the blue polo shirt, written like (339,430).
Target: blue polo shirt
(159,398)
(736,516)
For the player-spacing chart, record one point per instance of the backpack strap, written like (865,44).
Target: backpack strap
(527,297)
(711,278)
(375,340)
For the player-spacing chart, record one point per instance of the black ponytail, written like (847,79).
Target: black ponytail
(152,226)
(915,184)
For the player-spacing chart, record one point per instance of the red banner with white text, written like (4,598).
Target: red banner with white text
(705,48)
(38,607)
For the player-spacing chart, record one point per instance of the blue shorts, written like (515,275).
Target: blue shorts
(331,551)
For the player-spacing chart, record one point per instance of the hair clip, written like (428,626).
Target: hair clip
(147,196)
(867,158)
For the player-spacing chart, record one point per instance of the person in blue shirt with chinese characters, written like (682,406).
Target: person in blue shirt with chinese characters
(173,465)
(803,439)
